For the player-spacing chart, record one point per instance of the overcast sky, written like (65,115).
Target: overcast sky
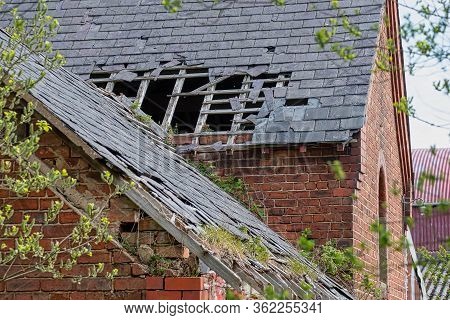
(431,106)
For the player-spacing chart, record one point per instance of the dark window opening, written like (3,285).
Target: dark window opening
(188,107)
(296,102)
(156,99)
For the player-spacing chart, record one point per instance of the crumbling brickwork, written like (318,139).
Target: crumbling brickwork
(140,236)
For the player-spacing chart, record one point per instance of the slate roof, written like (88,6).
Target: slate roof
(232,35)
(179,196)
(437,280)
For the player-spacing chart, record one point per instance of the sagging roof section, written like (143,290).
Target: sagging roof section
(227,39)
(175,194)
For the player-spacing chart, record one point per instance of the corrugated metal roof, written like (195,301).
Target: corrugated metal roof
(437,163)
(430,231)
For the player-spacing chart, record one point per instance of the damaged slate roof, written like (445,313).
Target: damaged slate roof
(437,279)
(171,191)
(233,36)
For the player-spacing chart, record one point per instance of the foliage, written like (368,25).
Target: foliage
(437,267)
(138,114)
(21,171)
(342,264)
(425,32)
(271,294)
(158,265)
(228,244)
(337,169)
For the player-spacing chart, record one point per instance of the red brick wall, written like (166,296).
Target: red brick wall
(379,149)
(133,279)
(207,287)
(297,189)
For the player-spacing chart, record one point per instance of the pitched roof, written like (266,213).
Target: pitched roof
(234,36)
(437,164)
(172,192)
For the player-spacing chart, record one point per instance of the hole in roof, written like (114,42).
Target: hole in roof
(296,102)
(156,99)
(271,49)
(100,75)
(218,123)
(233,82)
(128,89)
(188,107)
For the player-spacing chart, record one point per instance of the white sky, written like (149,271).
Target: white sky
(430,105)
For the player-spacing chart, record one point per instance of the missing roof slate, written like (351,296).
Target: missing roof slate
(189,100)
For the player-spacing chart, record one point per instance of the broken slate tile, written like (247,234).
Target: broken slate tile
(217,146)
(268,94)
(256,89)
(252,118)
(299,126)
(314,102)
(125,75)
(256,71)
(264,111)
(235,104)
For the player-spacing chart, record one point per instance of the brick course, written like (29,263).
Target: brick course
(133,280)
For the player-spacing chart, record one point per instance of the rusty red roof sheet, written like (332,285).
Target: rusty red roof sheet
(437,163)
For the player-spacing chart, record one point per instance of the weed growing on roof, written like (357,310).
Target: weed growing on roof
(138,114)
(342,264)
(226,243)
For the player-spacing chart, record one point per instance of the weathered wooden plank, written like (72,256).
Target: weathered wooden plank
(110,82)
(201,121)
(235,125)
(230,111)
(160,77)
(173,101)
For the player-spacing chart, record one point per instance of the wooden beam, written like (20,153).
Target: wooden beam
(140,96)
(227,101)
(160,77)
(210,84)
(110,85)
(230,111)
(201,121)
(236,125)
(204,93)
(173,101)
